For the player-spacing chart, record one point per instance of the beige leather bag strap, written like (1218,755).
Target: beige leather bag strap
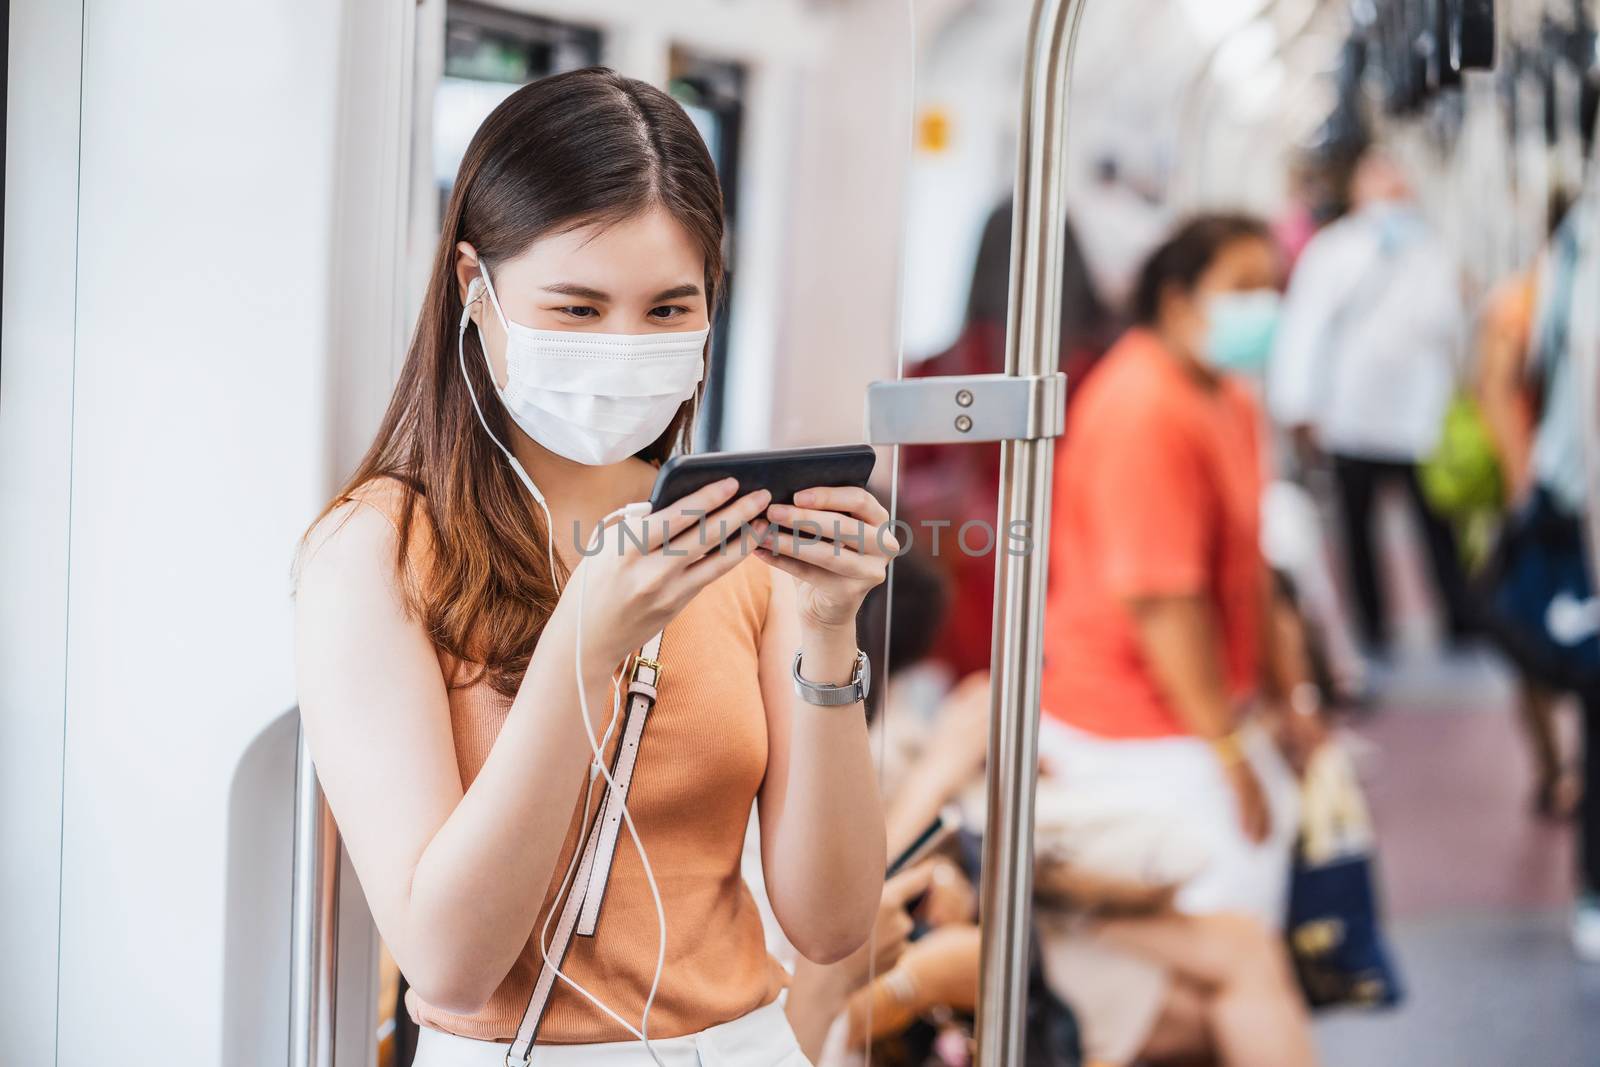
(580,912)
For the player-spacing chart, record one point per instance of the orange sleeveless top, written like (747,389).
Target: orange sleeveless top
(702,758)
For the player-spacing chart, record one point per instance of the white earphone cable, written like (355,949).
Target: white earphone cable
(474,294)
(596,744)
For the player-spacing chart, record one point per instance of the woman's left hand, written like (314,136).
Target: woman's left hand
(836,545)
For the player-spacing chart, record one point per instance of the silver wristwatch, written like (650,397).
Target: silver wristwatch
(836,696)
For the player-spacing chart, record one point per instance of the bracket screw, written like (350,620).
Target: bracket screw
(964,423)
(964,398)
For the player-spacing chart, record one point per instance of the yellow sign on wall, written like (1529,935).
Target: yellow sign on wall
(933,129)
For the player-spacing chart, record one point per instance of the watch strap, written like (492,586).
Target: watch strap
(835,696)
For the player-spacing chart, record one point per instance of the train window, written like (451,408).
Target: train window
(712,92)
(488,53)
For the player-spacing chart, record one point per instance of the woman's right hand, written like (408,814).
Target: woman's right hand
(647,568)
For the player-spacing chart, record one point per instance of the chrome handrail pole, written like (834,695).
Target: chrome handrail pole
(1033,341)
(313,959)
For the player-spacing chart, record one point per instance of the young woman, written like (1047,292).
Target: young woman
(467,620)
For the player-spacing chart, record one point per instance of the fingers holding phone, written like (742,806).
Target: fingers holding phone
(640,573)
(835,542)
(697,524)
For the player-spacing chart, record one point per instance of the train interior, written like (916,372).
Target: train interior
(219,223)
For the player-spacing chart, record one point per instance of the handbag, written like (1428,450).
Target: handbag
(1462,477)
(1538,597)
(1335,937)
(1462,480)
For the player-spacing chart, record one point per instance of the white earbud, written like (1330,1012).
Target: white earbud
(474,290)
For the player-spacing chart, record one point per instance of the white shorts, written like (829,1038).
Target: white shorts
(1180,780)
(761,1039)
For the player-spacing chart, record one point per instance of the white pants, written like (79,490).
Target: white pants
(1181,780)
(761,1039)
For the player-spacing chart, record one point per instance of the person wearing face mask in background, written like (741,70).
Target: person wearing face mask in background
(1166,688)
(472,628)
(1363,371)
(1156,645)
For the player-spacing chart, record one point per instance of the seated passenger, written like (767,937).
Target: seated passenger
(1158,640)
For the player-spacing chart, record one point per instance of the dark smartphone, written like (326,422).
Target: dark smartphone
(782,472)
(937,832)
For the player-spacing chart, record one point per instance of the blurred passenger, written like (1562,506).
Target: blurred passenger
(1157,634)
(961,483)
(1541,424)
(1510,408)
(1156,628)
(1364,369)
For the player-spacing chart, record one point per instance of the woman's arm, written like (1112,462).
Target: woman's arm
(455,878)
(1179,639)
(820,992)
(822,838)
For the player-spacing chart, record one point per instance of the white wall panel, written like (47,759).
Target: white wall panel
(199,453)
(35,467)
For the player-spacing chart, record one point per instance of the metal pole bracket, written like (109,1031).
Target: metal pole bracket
(966,407)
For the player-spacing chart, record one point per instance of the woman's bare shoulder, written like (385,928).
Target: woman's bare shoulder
(358,539)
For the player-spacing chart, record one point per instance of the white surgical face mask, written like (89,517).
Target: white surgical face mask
(595,398)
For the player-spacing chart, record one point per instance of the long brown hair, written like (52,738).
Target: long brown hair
(568,151)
